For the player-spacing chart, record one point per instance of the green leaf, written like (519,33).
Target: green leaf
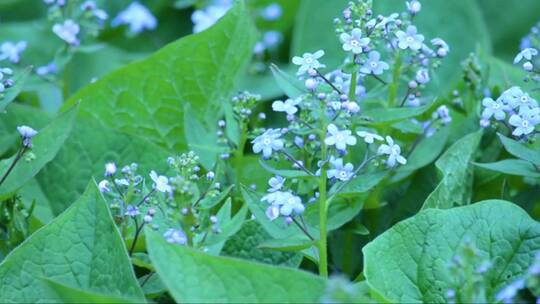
(513,167)
(46,145)
(383,115)
(210,201)
(12,92)
(519,150)
(192,276)
(360,184)
(290,244)
(409,262)
(81,248)
(229,226)
(66,294)
(245,245)
(289,84)
(84,155)
(283,173)
(456,185)
(314,28)
(424,154)
(201,140)
(147,98)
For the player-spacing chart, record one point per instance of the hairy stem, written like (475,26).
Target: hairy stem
(20,153)
(323,255)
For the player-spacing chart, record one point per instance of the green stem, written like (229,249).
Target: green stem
(352,88)
(66,81)
(393,88)
(323,255)
(239,155)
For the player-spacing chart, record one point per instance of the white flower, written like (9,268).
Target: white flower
(354,42)
(410,39)
(137,16)
(26,132)
(369,137)
(103,186)
(110,169)
(340,171)
(268,142)
(12,51)
(339,138)
(527,53)
(308,61)
(393,151)
(67,31)
(203,19)
(161,183)
(289,106)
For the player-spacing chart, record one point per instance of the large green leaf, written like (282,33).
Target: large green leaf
(245,245)
(193,276)
(147,98)
(84,155)
(410,262)
(66,294)
(45,147)
(456,185)
(81,248)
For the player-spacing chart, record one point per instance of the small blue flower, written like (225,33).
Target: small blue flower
(368,137)
(46,69)
(495,108)
(443,48)
(308,61)
(410,39)
(527,53)
(137,16)
(203,19)
(26,132)
(393,151)
(443,113)
(422,76)
(12,51)
(283,203)
(67,31)
(354,42)
(340,171)
(288,106)
(276,183)
(271,39)
(374,65)
(175,236)
(272,12)
(103,186)
(132,211)
(110,169)
(525,121)
(338,138)
(268,142)
(414,7)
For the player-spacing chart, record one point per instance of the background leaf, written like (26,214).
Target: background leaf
(410,262)
(193,276)
(81,249)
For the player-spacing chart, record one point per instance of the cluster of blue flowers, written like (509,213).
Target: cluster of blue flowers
(176,197)
(370,39)
(320,139)
(515,108)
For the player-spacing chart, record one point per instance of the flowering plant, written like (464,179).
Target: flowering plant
(268,151)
